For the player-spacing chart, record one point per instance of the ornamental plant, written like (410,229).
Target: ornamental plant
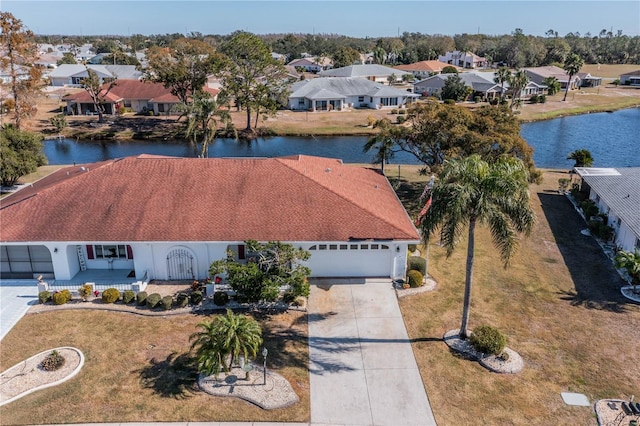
(85,291)
(488,340)
(110,295)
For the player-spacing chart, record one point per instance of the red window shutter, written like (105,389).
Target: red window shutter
(90,252)
(241,255)
(129,252)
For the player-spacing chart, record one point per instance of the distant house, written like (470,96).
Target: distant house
(539,74)
(124,218)
(134,95)
(616,192)
(372,72)
(482,85)
(463,59)
(424,69)
(340,93)
(311,64)
(630,79)
(587,80)
(73,74)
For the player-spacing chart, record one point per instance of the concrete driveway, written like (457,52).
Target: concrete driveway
(362,369)
(15,299)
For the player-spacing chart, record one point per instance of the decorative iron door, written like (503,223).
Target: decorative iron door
(180,265)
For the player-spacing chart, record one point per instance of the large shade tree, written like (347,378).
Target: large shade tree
(572,66)
(471,192)
(21,153)
(220,341)
(97,90)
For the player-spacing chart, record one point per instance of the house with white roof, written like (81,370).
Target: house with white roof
(73,74)
(341,93)
(616,192)
(373,72)
(123,218)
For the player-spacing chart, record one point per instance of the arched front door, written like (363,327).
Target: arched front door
(180,264)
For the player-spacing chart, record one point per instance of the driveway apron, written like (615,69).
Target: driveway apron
(362,369)
(15,299)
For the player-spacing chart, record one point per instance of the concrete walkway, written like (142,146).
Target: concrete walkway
(15,299)
(362,368)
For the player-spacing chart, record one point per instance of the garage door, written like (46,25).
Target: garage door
(351,260)
(25,262)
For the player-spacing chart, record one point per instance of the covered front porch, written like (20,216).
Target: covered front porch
(121,279)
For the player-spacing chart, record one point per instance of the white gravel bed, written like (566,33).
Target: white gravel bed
(276,393)
(494,363)
(27,376)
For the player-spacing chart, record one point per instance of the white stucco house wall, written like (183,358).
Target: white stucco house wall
(153,217)
(616,192)
(343,93)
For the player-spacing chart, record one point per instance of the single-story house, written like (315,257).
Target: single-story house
(72,74)
(587,80)
(467,60)
(340,93)
(424,69)
(539,74)
(373,72)
(135,95)
(311,64)
(168,218)
(630,79)
(616,192)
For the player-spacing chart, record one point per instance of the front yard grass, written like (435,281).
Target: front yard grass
(559,306)
(137,370)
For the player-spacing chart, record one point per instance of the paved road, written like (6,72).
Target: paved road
(15,299)
(362,368)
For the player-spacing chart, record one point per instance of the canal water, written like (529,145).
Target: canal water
(612,138)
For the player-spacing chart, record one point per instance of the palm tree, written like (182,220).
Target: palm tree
(502,76)
(204,114)
(383,142)
(518,82)
(582,158)
(572,66)
(472,191)
(223,339)
(631,263)
(553,85)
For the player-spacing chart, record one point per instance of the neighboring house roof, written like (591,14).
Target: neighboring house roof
(341,87)
(478,81)
(619,189)
(154,198)
(135,90)
(637,72)
(425,66)
(366,70)
(126,72)
(307,61)
(550,71)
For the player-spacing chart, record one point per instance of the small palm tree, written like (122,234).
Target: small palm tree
(518,82)
(204,114)
(382,143)
(472,191)
(502,76)
(582,158)
(223,339)
(553,85)
(631,263)
(572,66)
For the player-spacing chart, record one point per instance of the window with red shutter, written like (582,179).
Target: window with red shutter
(90,252)
(129,252)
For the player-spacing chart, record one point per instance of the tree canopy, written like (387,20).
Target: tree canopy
(20,154)
(97,91)
(454,88)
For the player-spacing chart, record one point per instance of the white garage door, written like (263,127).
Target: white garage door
(351,260)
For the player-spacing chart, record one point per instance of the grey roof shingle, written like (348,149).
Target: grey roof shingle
(620,192)
(366,70)
(340,87)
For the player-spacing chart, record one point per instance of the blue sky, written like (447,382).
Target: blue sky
(364,18)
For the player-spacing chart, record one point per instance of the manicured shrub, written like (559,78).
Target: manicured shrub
(61,297)
(153,300)
(110,295)
(541,100)
(44,296)
(449,101)
(85,291)
(401,119)
(417,263)
(589,208)
(477,99)
(141,298)
(196,297)
(412,248)
(166,303)
(414,278)
(402,111)
(533,99)
(394,111)
(53,361)
(488,340)
(220,298)
(182,299)
(494,101)
(128,296)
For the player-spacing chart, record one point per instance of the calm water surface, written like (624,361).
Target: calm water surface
(612,138)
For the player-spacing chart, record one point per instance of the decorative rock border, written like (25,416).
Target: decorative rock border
(26,377)
(493,363)
(275,393)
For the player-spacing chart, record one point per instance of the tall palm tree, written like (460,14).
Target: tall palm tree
(631,263)
(572,66)
(204,114)
(383,142)
(582,158)
(518,82)
(472,191)
(502,76)
(223,339)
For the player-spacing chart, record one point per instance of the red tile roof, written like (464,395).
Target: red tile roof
(135,90)
(152,198)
